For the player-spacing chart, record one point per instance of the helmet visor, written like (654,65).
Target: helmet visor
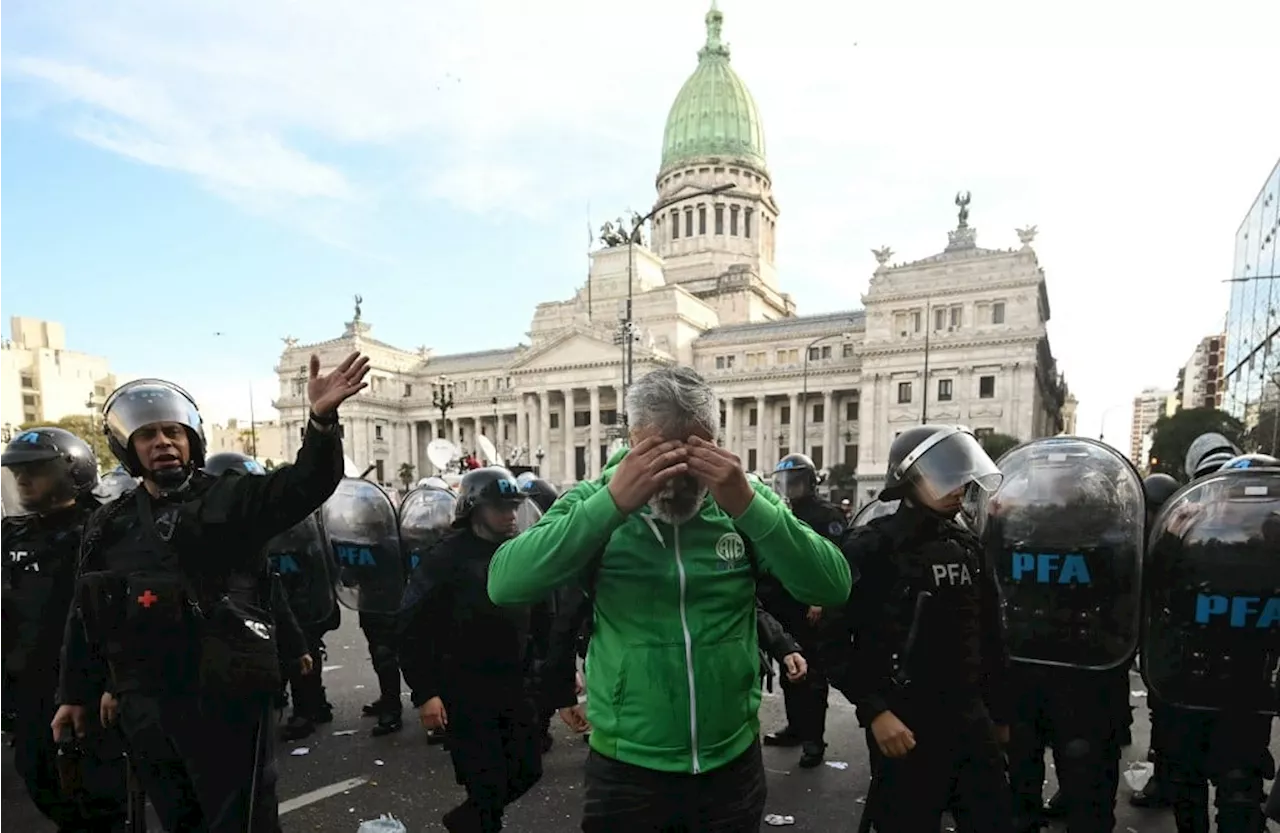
(146,404)
(35,486)
(793,483)
(950,464)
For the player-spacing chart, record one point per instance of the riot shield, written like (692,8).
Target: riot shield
(362,529)
(425,516)
(9,502)
(527,515)
(113,484)
(1211,635)
(302,558)
(874,509)
(1064,534)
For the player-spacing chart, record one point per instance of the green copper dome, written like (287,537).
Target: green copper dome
(714,114)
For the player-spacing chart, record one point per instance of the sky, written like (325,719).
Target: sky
(188,183)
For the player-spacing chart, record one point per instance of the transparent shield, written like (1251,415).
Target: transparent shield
(426,515)
(1064,534)
(9,495)
(302,557)
(527,515)
(1211,636)
(793,484)
(113,484)
(363,531)
(874,509)
(951,464)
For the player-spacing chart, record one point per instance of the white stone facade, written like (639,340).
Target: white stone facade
(42,381)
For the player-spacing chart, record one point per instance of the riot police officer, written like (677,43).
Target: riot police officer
(1210,648)
(166,598)
(926,663)
(795,478)
(297,662)
(544,495)
(54,473)
(469,662)
(1064,534)
(1157,488)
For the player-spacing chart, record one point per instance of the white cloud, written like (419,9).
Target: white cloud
(1134,137)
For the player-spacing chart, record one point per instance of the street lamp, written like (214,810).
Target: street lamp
(442,399)
(539,457)
(497,432)
(804,396)
(628,337)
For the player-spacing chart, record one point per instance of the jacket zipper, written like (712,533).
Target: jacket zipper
(688,657)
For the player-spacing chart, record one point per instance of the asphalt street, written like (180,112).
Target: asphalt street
(345,776)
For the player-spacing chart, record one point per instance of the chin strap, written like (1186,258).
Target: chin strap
(172,481)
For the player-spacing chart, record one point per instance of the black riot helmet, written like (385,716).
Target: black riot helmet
(795,477)
(232,461)
(488,486)
(1207,453)
(56,453)
(937,460)
(540,492)
(144,402)
(1158,488)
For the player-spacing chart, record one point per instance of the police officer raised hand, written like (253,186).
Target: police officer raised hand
(329,391)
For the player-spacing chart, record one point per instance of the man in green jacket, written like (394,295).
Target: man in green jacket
(670,539)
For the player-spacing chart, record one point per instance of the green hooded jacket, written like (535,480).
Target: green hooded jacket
(673,671)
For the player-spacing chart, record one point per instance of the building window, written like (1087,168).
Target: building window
(381,474)
(789,356)
(719,219)
(29,399)
(609,417)
(753,419)
(554,421)
(581,419)
(846,351)
(702,219)
(675,224)
(752,460)
(939,319)
(944,390)
(986,387)
(28,381)
(783,451)
(851,456)
(851,411)
(724,362)
(757,360)
(746,223)
(904,393)
(817,456)
(408,390)
(819,413)
(915,321)
(377,433)
(733,220)
(688,223)
(955,318)
(997,312)
(785,416)
(722,418)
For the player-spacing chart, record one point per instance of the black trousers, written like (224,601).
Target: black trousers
(956,765)
(1077,717)
(195,761)
(1227,748)
(379,632)
(100,805)
(806,701)
(309,698)
(622,798)
(496,748)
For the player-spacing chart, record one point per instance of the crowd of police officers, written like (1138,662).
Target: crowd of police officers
(156,619)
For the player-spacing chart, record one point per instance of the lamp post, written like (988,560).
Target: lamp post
(804,395)
(442,399)
(628,337)
(539,457)
(497,429)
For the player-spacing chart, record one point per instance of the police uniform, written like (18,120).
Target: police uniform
(171,598)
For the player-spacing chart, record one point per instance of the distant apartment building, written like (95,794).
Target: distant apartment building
(240,437)
(42,381)
(1148,407)
(1200,381)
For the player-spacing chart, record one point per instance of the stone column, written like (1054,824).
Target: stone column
(593,452)
(761,459)
(621,406)
(522,423)
(797,420)
(828,429)
(544,427)
(413,451)
(568,436)
(730,434)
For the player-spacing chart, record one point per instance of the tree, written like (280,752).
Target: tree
(1265,436)
(1173,435)
(87,429)
(842,477)
(247,443)
(997,444)
(406,475)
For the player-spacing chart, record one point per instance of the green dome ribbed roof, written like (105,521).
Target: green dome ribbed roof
(714,114)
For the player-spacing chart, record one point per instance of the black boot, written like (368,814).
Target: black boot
(297,728)
(783,737)
(813,754)
(388,722)
(1153,796)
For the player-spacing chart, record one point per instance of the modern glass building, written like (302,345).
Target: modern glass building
(1253,322)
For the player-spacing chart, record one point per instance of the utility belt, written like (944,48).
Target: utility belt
(128,615)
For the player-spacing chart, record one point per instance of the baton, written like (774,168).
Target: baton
(257,766)
(136,799)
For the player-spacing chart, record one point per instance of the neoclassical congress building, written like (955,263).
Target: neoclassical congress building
(964,328)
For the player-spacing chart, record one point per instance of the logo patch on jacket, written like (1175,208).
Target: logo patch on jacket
(731,550)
